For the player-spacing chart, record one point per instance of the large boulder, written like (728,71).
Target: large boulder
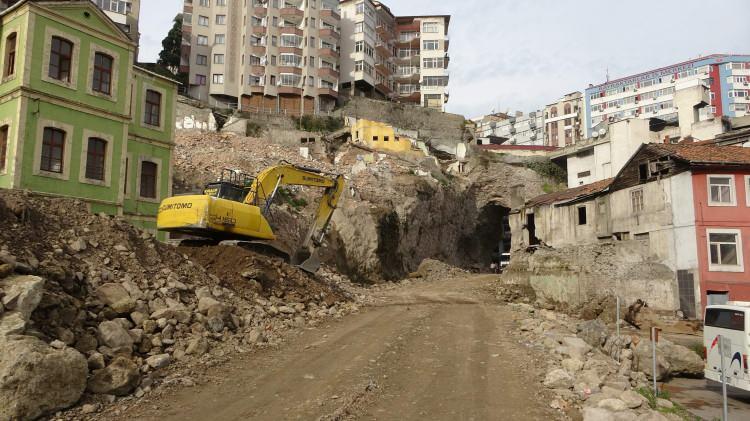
(117,297)
(22,294)
(119,378)
(36,379)
(575,347)
(672,360)
(593,332)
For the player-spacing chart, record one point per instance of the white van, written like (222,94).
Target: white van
(732,322)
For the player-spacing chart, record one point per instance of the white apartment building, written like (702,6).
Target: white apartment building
(650,95)
(400,58)
(519,129)
(124,13)
(278,56)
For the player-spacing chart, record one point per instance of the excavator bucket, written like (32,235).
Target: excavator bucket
(311,264)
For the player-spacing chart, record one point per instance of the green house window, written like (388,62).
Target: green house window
(10,55)
(53,147)
(60,59)
(102,73)
(148,179)
(3,146)
(152,114)
(96,158)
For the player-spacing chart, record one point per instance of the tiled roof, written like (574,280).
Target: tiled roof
(707,153)
(570,194)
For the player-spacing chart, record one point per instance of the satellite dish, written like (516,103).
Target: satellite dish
(602,131)
(595,135)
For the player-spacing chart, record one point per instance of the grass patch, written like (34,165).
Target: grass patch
(288,197)
(318,124)
(549,169)
(676,409)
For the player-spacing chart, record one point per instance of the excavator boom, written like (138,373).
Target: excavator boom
(232,210)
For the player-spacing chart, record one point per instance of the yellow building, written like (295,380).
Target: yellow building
(381,136)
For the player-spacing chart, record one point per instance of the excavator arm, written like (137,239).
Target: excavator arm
(268,182)
(232,210)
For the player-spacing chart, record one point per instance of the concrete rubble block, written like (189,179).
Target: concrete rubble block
(158,361)
(117,297)
(558,379)
(632,399)
(197,347)
(597,414)
(576,347)
(206,303)
(119,378)
(22,293)
(114,335)
(612,404)
(36,379)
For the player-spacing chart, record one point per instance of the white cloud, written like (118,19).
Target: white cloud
(521,55)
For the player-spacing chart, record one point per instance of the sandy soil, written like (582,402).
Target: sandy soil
(427,350)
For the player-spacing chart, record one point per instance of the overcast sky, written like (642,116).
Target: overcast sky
(522,54)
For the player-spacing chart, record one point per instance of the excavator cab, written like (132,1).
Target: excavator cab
(233,185)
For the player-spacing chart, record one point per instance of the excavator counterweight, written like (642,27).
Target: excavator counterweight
(235,208)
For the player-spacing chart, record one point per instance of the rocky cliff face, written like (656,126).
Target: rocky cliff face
(385,234)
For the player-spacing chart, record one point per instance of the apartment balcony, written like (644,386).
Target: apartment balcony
(290,50)
(329,73)
(383,68)
(328,52)
(330,34)
(260,11)
(257,70)
(291,30)
(328,92)
(258,50)
(414,57)
(382,87)
(415,96)
(385,32)
(412,76)
(292,14)
(289,90)
(257,89)
(330,16)
(295,70)
(411,41)
(383,49)
(258,30)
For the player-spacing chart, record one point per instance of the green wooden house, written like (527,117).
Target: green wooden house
(77,118)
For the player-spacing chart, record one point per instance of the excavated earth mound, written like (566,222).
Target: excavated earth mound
(109,307)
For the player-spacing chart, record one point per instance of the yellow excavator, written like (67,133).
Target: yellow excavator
(236,208)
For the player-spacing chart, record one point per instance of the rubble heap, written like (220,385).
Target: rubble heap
(88,303)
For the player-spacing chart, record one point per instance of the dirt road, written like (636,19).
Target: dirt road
(427,351)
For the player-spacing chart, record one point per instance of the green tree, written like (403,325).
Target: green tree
(169,57)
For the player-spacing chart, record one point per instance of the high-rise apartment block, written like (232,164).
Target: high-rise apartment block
(400,58)
(271,55)
(125,13)
(562,121)
(651,95)
(291,56)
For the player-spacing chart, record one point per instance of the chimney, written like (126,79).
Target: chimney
(666,139)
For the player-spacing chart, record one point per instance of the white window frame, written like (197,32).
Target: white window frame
(747,190)
(740,267)
(632,200)
(732,188)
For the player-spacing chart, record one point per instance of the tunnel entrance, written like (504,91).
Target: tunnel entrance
(493,234)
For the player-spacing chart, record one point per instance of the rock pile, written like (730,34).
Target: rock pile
(593,371)
(90,303)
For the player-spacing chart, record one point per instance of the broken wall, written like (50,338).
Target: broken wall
(572,276)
